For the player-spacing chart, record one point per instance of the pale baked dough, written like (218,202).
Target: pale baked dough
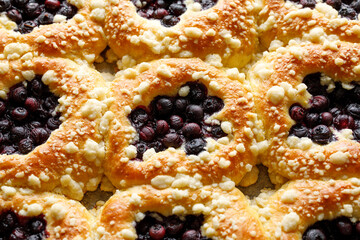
(229,157)
(227,213)
(225,32)
(80,37)
(277,82)
(65,219)
(284,20)
(70,160)
(298,204)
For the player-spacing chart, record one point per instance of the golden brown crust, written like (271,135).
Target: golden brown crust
(227,29)
(297,205)
(70,160)
(277,80)
(230,209)
(79,37)
(283,20)
(231,156)
(66,219)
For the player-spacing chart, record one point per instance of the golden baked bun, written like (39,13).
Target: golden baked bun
(68,160)
(289,212)
(215,213)
(180,117)
(307,97)
(42,215)
(70,29)
(285,20)
(223,32)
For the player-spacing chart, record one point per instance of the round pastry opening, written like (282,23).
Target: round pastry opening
(334,106)
(27,117)
(156,226)
(177,121)
(16,227)
(346,8)
(28,14)
(167,11)
(337,229)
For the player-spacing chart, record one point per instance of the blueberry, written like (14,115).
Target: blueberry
(26,145)
(308,3)
(162,127)
(39,135)
(67,10)
(157,232)
(217,132)
(197,92)
(45,18)
(8,150)
(344,226)
(172,140)
(5,125)
(18,133)
(174,225)
(32,10)
(194,113)
(160,13)
(212,104)
(51,102)
(191,235)
(138,117)
(37,226)
(334,3)
(8,220)
(321,134)
(326,118)
(354,110)
(32,104)
(347,12)
(164,106)
(169,21)
(27,26)
(52,5)
(36,87)
(195,146)
(192,130)
(141,148)
(314,234)
(312,119)
(176,122)
(299,131)
(18,94)
(344,121)
(319,103)
(19,3)
(19,113)
(53,123)
(4,5)
(177,9)
(147,134)
(297,113)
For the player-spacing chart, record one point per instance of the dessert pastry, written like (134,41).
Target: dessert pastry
(207,213)
(312,209)
(180,116)
(58,28)
(308,99)
(50,113)
(288,19)
(33,216)
(223,30)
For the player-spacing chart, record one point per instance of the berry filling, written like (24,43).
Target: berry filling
(346,8)
(332,107)
(15,227)
(29,14)
(155,226)
(174,121)
(337,229)
(167,11)
(27,117)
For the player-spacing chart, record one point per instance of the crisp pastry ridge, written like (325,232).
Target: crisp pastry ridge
(227,213)
(65,219)
(62,39)
(231,156)
(283,20)
(69,162)
(288,212)
(222,33)
(277,81)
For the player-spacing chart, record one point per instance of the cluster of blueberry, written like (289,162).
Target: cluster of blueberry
(171,121)
(14,227)
(338,109)
(337,229)
(346,8)
(27,117)
(170,228)
(169,11)
(29,14)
